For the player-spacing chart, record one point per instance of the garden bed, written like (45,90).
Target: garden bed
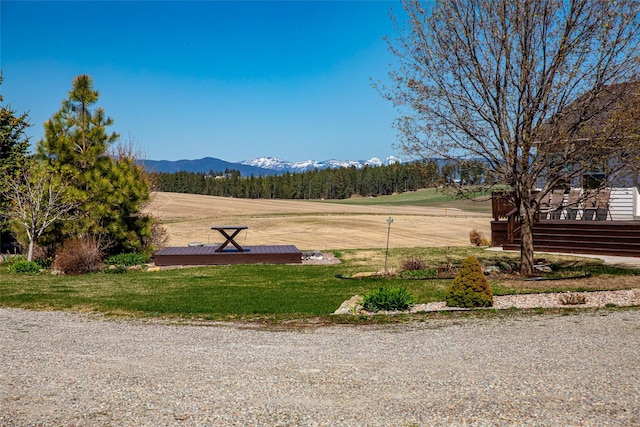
(593,299)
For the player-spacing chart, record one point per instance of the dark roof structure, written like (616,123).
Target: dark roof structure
(611,112)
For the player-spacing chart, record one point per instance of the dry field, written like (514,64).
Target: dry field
(313,225)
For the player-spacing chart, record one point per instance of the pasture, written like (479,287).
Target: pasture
(421,219)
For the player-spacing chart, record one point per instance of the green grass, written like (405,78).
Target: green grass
(221,293)
(430,197)
(241,291)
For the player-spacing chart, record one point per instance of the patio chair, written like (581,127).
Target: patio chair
(602,204)
(544,206)
(590,202)
(554,211)
(573,204)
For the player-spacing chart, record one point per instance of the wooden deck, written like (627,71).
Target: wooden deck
(582,236)
(619,238)
(207,255)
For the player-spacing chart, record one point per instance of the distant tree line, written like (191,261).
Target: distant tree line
(338,183)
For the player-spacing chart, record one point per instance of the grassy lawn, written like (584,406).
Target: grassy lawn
(275,292)
(430,197)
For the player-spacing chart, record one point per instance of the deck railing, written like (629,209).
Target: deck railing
(501,208)
(590,205)
(572,224)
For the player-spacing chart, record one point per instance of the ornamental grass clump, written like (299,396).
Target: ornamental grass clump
(413,263)
(571,298)
(387,299)
(469,288)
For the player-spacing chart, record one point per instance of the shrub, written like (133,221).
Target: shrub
(24,267)
(79,256)
(13,259)
(412,264)
(127,260)
(44,263)
(475,237)
(572,299)
(508,265)
(419,274)
(469,288)
(116,269)
(43,254)
(158,236)
(387,299)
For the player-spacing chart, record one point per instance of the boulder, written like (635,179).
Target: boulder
(351,306)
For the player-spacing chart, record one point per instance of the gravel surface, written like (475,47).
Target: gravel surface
(622,298)
(69,369)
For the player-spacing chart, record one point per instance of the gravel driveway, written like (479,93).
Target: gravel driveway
(72,369)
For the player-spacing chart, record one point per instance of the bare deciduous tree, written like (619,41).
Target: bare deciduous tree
(37,198)
(540,90)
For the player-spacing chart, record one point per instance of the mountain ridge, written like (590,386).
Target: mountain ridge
(257,166)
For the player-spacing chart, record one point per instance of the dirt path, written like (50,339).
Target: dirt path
(313,225)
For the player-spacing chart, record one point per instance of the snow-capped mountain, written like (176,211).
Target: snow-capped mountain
(258,166)
(273,163)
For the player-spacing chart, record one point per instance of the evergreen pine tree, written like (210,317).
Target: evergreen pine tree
(13,149)
(112,186)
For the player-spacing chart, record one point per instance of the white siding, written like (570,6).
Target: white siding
(623,204)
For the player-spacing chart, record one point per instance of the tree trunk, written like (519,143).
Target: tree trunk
(30,253)
(526,239)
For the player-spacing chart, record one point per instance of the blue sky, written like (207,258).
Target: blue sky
(232,80)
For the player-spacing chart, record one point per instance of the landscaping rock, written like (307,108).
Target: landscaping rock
(367,275)
(319,258)
(350,306)
(542,268)
(491,269)
(312,255)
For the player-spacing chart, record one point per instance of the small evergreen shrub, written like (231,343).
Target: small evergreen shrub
(470,287)
(387,299)
(79,256)
(24,267)
(127,260)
